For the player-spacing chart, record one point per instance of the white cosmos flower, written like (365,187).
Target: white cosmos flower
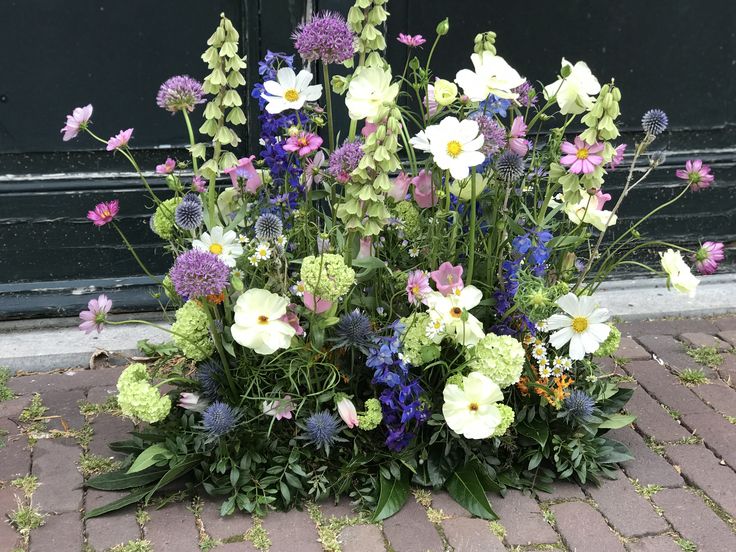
(289,90)
(454,145)
(420,141)
(678,273)
(471,411)
(369,92)
(492,75)
(574,93)
(583,325)
(258,323)
(225,245)
(450,309)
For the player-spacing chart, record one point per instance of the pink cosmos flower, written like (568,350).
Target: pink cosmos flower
(315,304)
(280,409)
(400,187)
(517,137)
(447,278)
(417,286)
(95,317)
(292,319)
(424,193)
(708,256)
(104,212)
(76,122)
(697,174)
(245,171)
(618,157)
(303,143)
(411,41)
(167,167)
(368,129)
(581,157)
(120,140)
(313,170)
(601,199)
(199,184)
(366,248)
(349,415)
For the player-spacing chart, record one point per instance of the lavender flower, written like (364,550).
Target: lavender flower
(179,93)
(326,37)
(199,273)
(322,429)
(268,227)
(219,419)
(494,135)
(344,160)
(526,92)
(654,122)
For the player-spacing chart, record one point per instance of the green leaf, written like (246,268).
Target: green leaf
(536,430)
(392,497)
(616,421)
(119,480)
(126,447)
(466,488)
(132,498)
(175,472)
(149,457)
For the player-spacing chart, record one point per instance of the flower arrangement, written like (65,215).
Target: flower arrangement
(409,301)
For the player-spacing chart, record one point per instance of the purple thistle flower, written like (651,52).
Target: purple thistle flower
(199,273)
(180,92)
(95,317)
(326,37)
(494,135)
(344,160)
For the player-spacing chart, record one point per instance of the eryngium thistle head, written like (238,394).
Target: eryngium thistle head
(188,214)
(208,375)
(322,429)
(354,330)
(326,37)
(579,406)
(199,273)
(654,122)
(219,418)
(180,92)
(510,166)
(268,227)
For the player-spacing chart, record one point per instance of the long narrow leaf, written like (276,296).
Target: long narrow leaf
(177,471)
(132,498)
(120,480)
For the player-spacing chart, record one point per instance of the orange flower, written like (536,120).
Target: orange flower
(216,299)
(564,381)
(522,385)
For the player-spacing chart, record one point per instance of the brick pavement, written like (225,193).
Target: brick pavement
(678,494)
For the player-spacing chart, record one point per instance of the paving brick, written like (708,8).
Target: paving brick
(659,543)
(441,500)
(244,546)
(705,340)
(55,465)
(718,434)
(15,458)
(66,405)
(173,528)
(100,395)
(113,528)
(219,527)
(581,525)
(719,396)
(522,517)
(667,327)
(729,337)
(646,467)
(362,538)
(665,387)
(653,420)
(563,490)
(64,381)
(8,503)
(690,517)
(630,514)
(471,535)
(631,350)
(287,528)
(672,352)
(410,531)
(108,428)
(727,370)
(13,407)
(60,532)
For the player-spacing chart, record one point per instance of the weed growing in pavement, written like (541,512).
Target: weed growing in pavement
(691,376)
(647,491)
(133,546)
(93,464)
(707,356)
(27,484)
(5,392)
(686,545)
(26,518)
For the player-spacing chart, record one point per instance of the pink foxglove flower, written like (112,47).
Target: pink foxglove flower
(448,278)
(280,409)
(400,187)
(167,167)
(346,409)
(96,316)
(424,193)
(245,170)
(303,143)
(517,137)
(697,174)
(104,212)
(315,304)
(120,140)
(76,122)
(417,286)
(414,41)
(618,156)
(708,256)
(582,158)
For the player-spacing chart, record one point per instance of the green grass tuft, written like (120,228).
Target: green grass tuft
(690,376)
(707,356)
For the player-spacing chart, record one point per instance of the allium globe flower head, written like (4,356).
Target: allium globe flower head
(654,122)
(510,166)
(199,273)
(354,331)
(697,174)
(326,37)
(322,430)
(179,93)
(95,317)
(268,227)
(344,160)
(579,406)
(208,375)
(706,258)
(219,419)
(188,214)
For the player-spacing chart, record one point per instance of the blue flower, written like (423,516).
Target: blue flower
(208,376)
(322,429)
(522,244)
(494,105)
(219,418)
(354,331)
(579,406)
(654,122)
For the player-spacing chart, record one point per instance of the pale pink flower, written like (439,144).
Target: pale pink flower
(424,193)
(167,167)
(120,140)
(199,184)
(192,401)
(618,156)
(417,286)
(315,304)
(697,174)
(448,278)
(96,316)
(400,187)
(349,415)
(430,102)
(601,199)
(708,256)
(517,137)
(366,248)
(303,143)
(414,41)
(104,212)
(313,171)
(582,158)
(76,122)
(245,170)
(368,129)
(292,319)
(280,409)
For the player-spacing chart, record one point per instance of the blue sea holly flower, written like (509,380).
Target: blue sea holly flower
(322,429)
(219,418)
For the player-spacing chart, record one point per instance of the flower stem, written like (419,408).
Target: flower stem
(135,255)
(471,245)
(328,98)
(191,141)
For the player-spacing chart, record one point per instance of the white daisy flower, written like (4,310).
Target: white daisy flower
(557,371)
(289,90)
(567,364)
(263,252)
(242,238)
(299,288)
(281,241)
(237,273)
(539,351)
(223,244)
(545,371)
(454,144)
(435,329)
(583,327)
(413,252)
(254,260)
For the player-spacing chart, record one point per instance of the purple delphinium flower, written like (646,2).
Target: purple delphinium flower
(494,135)
(95,316)
(199,273)
(180,92)
(76,122)
(326,37)
(344,160)
(526,92)
(708,256)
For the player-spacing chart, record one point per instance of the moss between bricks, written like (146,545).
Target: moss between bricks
(5,392)
(26,517)
(329,529)
(133,546)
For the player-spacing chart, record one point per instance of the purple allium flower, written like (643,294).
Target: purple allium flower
(179,93)
(120,140)
(219,418)
(654,122)
(199,273)
(199,184)
(526,92)
(708,256)
(326,37)
(697,174)
(95,317)
(494,135)
(77,121)
(344,160)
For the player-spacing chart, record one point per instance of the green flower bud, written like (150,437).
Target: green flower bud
(443,27)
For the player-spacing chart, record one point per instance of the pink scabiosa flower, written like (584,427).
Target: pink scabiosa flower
(167,167)
(245,170)
(199,184)
(95,317)
(303,143)
(448,278)
(581,157)
(76,122)
(517,137)
(400,187)
(414,41)
(104,212)
(280,409)
(697,174)
(708,256)
(346,409)
(424,193)
(326,37)
(120,140)
(417,286)
(618,156)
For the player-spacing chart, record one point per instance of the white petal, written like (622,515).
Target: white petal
(557,321)
(560,337)
(273,88)
(599,332)
(458,170)
(312,93)
(303,79)
(586,305)
(569,304)
(598,316)
(469,297)
(286,77)
(577,347)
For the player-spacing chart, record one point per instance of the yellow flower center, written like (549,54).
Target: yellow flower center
(580,324)
(263,319)
(473,407)
(216,248)
(582,153)
(106,213)
(454,148)
(291,95)
(456,312)
(415,289)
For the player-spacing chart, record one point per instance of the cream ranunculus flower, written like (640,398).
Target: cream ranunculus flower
(289,90)
(471,411)
(445,92)
(492,75)
(258,324)
(451,309)
(586,211)
(369,92)
(583,326)
(223,244)
(464,190)
(678,273)
(454,145)
(574,93)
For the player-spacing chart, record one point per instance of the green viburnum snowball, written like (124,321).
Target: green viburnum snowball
(168,287)
(138,398)
(327,276)
(610,345)
(455,379)
(193,333)
(372,416)
(500,357)
(408,214)
(163,218)
(507,418)
(418,348)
